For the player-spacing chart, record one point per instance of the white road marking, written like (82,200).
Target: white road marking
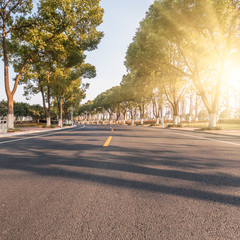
(43,135)
(209,139)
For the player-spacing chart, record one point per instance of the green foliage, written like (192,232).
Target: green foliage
(3,108)
(21,109)
(36,112)
(86,109)
(42,43)
(184,40)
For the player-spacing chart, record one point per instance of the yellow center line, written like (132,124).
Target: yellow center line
(106,144)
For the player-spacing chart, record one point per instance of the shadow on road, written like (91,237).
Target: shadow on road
(70,158)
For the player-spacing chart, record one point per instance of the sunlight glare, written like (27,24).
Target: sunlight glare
(233,78)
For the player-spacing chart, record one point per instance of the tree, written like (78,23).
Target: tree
(36,112)
(71,22)
(144,61)
(13,18)
(128,93)
(3,108)
(86,109)
(205,34)
(21,110)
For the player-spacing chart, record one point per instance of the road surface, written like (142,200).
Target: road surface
(145,183)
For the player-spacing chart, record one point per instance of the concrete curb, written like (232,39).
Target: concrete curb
(33,131)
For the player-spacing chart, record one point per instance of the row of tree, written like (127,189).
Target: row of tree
(182,49)
(45,43)
(35,111)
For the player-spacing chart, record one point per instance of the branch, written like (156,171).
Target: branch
(168,97)
(7,4)
(20,27)
(179,70)
(22,69)
(185,59)
(183,91)
(1,14)
(14,7)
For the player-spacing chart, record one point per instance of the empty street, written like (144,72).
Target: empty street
(119,182)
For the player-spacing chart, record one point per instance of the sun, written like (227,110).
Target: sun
(231,85)
(233,78)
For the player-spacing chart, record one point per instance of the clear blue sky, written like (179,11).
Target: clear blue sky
(121,19)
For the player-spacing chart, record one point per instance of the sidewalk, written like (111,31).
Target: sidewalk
(230,132)
(29,130)
(224,132)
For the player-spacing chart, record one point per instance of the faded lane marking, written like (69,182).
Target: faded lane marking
(106,144)
(209,139)
(43,135)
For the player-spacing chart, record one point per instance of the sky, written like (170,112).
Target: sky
(120,22)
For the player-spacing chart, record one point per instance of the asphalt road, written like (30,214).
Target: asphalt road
(147,184)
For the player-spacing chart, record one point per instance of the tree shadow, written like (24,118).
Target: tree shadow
(42,157)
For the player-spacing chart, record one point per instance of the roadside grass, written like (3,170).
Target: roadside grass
(195,124)
(229,126)
(19,125)
(40,125)
(222,126)
(14,130)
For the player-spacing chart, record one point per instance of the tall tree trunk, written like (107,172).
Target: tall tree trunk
(46,109)
(227,104)
(10,114)
(176,118)
(9,93)
(183,115)
(59,113)
(212,120)
(43,100)
(190,108)
(141,109)
(162,116)
(132,116)
(124,113)
(49,103)
(196,109)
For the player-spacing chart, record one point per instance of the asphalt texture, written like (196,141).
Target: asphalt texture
(148,183)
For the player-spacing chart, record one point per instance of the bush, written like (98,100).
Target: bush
(153,125)
(51,126)
(28,125)
(14,130)
(171,125)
